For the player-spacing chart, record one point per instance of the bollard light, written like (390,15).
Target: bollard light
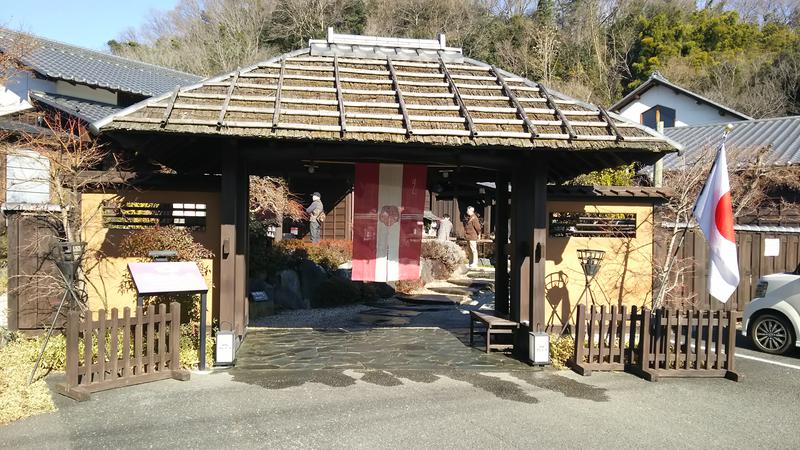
(225,351)
(539,348)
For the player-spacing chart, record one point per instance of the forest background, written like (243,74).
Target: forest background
(742,53)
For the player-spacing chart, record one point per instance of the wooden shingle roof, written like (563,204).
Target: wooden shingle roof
(356,88)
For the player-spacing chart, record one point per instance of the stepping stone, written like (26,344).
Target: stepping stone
(473,283)
(391,313)
(454,290)
(433,299)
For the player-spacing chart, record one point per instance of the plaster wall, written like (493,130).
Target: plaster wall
(14,93)
(625,276)
(108,269)
(687,110)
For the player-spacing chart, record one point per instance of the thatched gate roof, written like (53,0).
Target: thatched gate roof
(380,90)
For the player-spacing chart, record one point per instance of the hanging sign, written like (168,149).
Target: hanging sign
(387,228)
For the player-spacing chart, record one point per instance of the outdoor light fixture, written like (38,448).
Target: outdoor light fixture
(590,261)
(271,230)
(539,348)
(226,344)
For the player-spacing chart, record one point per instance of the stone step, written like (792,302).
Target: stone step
(454,290)
(433,299)
(483,284)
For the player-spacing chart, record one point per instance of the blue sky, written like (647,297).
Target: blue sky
(86,23)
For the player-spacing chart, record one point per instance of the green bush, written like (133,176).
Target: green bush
(190,345)
(336,291)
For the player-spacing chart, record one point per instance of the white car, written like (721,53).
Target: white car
(772,319)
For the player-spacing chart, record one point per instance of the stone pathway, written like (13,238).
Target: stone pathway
(387,335)
(366,349)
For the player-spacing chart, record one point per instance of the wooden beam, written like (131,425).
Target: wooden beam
(276,114)
(611,125)
(513,98)
(553,105)
(399,93)
(539,251)
(339,97)
(224,109)
(170,106)
(454,90)
(500,213)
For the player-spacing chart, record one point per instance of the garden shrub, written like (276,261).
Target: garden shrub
(445,256)
(336,291)
(408,287)
(138,243)
(562,349)
(289,253)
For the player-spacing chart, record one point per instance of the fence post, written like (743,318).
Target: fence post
(580,335)
(73,320)
(175,336)
(645,345)
(731,348)
(101,345)
(162,335)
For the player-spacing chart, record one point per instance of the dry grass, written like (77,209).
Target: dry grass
(562,349)
(18,399)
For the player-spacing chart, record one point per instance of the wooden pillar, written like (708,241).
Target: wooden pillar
(521,234)
(242,247)
(228,245)
(539,207)
(501,244)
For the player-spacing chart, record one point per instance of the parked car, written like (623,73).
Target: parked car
(772,319)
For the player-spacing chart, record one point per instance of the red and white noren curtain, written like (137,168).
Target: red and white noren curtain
(387,223)
(714,214)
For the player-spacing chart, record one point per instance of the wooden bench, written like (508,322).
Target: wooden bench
(494,325)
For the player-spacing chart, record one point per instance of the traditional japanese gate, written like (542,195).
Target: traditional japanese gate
(349,99)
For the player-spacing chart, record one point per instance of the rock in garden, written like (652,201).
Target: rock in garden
(288,293)
(311,276)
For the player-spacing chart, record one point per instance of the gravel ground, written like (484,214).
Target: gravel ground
(339,317)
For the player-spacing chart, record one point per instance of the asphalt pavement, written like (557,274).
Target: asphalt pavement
(432,408)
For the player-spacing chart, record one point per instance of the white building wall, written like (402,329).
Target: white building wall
(14,94)
(687,110)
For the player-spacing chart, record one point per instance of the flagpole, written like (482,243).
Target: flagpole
(671,260)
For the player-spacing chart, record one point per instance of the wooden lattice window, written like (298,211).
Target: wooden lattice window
(142,215)
(583,224)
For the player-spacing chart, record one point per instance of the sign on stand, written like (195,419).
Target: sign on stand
(165,278)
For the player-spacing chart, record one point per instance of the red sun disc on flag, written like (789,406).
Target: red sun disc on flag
(723,216)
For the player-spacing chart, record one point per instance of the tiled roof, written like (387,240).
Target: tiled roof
(780,135)
(67,62)
(609,191)
(83,109)
(385,90)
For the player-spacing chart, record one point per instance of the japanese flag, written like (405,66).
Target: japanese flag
(714,214)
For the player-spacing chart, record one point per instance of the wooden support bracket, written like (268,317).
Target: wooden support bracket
(276,114)
(554,106)
(339,97)
(513,98)
(611,125)
(170,106)
(224,110)
(454,90)
(399,94)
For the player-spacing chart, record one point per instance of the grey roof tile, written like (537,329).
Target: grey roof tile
(83,109)
(781,135)
(67,62)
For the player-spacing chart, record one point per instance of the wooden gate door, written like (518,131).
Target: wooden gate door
(33,288)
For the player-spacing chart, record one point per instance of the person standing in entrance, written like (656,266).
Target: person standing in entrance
(316,215)
(472,231)
(444,229)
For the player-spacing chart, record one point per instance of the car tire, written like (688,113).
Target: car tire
(772,333)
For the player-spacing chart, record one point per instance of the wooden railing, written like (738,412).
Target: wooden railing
(114,352)
(688,343)
(604,338)
(669,343)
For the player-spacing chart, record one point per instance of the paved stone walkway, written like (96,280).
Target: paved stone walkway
(383,348)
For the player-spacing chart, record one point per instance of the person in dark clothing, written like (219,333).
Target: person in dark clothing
(315,213)
(472,231)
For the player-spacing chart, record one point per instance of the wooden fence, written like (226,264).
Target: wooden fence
(669,343)
(693,286)
(689,343)
(113,352)
(604,339)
